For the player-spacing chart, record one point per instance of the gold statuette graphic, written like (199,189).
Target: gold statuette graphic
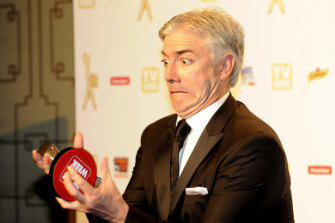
(91,82)
(86,4)
(144,7)
(280,4)
(317,74)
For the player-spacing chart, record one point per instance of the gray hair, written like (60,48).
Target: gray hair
(222,32)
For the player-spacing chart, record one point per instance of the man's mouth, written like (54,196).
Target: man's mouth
(172,91)
(177,92)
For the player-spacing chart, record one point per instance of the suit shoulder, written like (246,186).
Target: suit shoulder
(247,123)
(160,124)
(167,120)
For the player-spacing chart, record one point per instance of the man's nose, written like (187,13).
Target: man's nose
(171,73)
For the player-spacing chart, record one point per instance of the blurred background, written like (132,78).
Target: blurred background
(36,102)
(94,66)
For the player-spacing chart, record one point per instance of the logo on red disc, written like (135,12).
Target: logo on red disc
(79,166)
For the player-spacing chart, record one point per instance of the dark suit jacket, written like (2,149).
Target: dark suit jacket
(238,158)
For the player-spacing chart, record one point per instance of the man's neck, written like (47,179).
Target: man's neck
(208,103)
(208,111)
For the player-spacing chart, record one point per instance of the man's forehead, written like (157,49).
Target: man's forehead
(181,41)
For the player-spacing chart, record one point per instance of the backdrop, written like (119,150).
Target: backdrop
(287,80)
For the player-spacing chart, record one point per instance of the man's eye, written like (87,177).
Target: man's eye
(165,61)
(185,61)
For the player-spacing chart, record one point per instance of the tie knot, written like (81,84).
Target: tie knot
(182,130)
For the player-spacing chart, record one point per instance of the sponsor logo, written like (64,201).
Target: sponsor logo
(282,76)
(121,167)
(247,76)
(150,79)
(317,74)
(320,170)
(144,7)
(81,167)
(279,3)
(120,80)
(86,4)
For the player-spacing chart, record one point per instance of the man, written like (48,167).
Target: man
(231,166)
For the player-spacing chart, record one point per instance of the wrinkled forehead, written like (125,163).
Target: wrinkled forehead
(189,31)
(184,40)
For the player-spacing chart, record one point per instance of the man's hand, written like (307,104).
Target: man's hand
(104,202)
(44,162)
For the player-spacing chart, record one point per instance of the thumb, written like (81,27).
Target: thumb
(78,141)
(104,169)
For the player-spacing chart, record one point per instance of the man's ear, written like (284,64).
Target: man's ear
(227,66)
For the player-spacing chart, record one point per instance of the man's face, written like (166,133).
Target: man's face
(189,72)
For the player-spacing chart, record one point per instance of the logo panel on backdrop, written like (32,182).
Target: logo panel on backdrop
(120,80)
(150,79)
(282,76)
(320,170)
(317,74)
(247,76)
(121,167)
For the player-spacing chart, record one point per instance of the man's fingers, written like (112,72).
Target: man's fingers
(46,163)
(71,205)
(47,159)
(84,186)
(78,141)
(38,158)
(107,178)
(42,162)
(72,189)
(64,204)
(104,169)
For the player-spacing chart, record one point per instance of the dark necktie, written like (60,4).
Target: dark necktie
(181,133)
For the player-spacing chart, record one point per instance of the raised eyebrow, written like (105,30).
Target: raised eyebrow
(184,51)
(179,52)
(163,53)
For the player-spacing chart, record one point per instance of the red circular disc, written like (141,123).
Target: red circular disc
(83,163)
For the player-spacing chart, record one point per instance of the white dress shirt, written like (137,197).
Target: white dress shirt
(197,123)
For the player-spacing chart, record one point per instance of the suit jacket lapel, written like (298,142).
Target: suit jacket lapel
(162,169)
(210,136)
(204,145)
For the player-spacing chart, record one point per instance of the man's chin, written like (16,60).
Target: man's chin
(178,107)
(183,112)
